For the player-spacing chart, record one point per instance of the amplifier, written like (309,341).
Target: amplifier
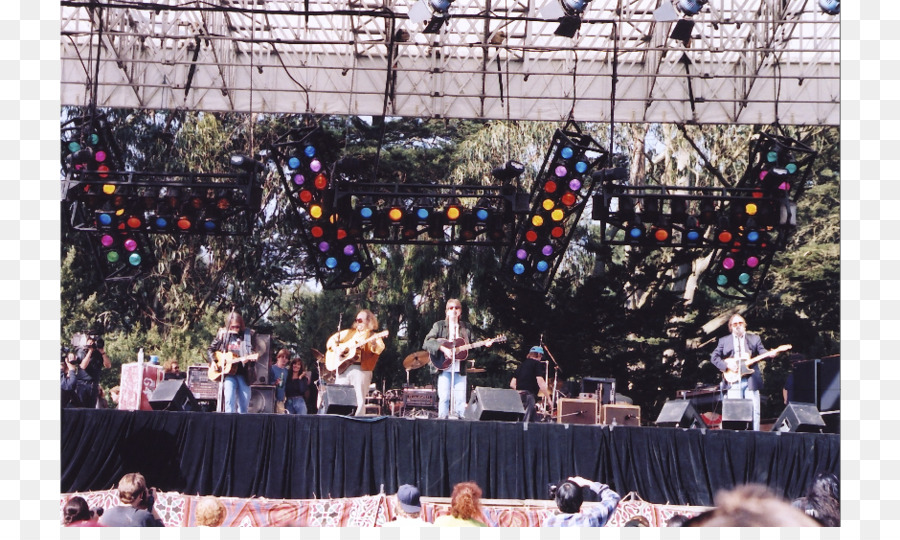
(577,411)
(622,415)
(199,383)
(420,398)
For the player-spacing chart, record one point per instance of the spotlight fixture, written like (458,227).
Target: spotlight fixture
(246,162)
(568,13)
(691,7)
(508,171)
(436,12)
(831,7)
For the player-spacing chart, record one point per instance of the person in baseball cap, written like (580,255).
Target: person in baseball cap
(409,508)
(530,381)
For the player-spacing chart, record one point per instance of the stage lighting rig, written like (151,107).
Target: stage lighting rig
(831,7)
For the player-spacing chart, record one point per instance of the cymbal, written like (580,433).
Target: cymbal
(476,370)
(415,360)
(318,355)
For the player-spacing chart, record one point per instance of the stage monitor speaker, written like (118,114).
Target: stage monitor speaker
(621,415)
(737,414)
(801,418)
(262,398)
(679,413)
(173,395)
(604,389)
(262,343)
(495,404)
(338,399)
(577,411)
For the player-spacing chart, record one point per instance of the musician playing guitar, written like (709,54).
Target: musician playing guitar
(731,355)
(352,355)
(451,329)
(231,356)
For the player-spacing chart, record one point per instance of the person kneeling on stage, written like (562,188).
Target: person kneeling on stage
(569,497)
(135,505)
(529,381)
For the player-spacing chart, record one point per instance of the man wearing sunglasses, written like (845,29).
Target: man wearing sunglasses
(358,371)
(451,329)
(730,355)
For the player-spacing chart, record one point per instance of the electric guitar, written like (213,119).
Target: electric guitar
(226,364)
(338,358)
(460,349)
(743,369)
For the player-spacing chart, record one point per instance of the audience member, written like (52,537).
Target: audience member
(75,384)
(409,508)
(637,521)
(822,501)
(210,512)
(135,505)
(677,520)
(278,374)
(569,498)
(172,371)
(296,388)
(465,507)
(751,505)
(77,514)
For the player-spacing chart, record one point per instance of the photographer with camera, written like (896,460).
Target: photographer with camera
(75,384)
(92,358)
(135,505)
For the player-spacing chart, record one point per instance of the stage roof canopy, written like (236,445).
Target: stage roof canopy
(736,61)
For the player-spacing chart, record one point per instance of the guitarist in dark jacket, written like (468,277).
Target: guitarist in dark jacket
(729,356)
(452,328)
(231,354)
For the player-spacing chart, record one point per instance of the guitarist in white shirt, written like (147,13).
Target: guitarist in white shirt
(236,341)
(732,351)
(358,371)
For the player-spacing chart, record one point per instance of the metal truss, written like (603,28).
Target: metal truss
(748,61)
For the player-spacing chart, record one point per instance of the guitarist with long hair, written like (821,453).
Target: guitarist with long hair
(229,355)
(450,330)
(352,354)
(731,355)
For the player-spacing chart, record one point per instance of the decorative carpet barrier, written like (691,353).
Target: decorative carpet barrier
(177,510)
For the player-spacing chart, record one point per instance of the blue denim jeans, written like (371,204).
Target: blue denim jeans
(295,405)
(237,393)
(459,394)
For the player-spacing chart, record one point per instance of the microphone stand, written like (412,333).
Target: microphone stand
(556,371)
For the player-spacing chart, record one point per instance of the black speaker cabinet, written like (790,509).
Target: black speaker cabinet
(682,30)
(679,413)
(603,389)
(262,399)
(338,399)
(262,343)
(495,404)
(577,411)
(737,414)
(173,395)
(800,417)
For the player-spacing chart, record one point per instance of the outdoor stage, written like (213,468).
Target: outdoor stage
(308,457)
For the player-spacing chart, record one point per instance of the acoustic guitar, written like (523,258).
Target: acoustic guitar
(226,364)
(460,349)
(339,358)
(743,369)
